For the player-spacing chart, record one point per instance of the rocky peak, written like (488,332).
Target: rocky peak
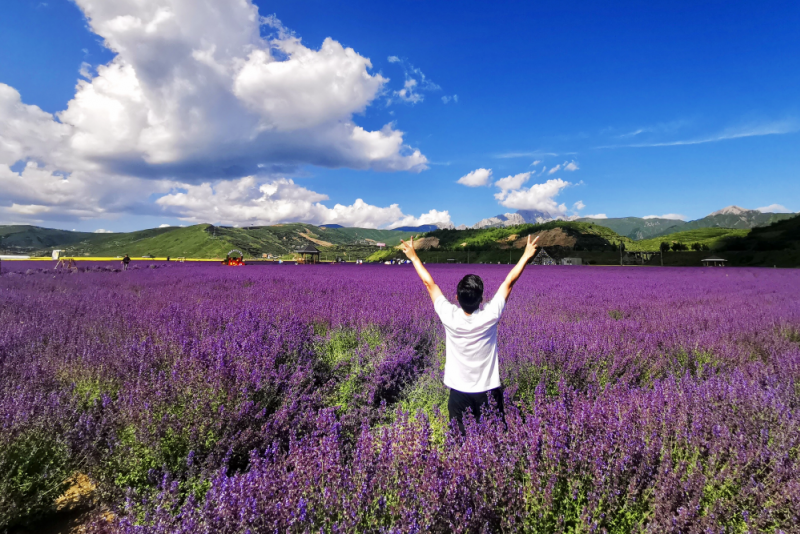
(730,210)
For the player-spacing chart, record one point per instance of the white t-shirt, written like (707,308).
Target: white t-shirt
(471,345)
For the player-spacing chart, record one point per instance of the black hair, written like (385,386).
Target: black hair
(470,293)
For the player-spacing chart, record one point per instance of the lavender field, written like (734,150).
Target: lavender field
(203,399)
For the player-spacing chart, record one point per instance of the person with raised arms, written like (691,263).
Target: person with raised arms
(471,368)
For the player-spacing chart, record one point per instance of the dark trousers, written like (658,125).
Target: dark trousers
(459,401)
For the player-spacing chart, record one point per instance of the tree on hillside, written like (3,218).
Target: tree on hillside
(664,247)
(677,247)
(697,247)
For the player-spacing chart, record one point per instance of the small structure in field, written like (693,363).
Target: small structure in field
(308,250)
(571,261)
(714,262)
(235,258)
(543,258)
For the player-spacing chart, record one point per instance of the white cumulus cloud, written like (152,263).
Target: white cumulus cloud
(539,197)
(27,132)
(194,85)
(571,166)
(194,94)
(511,182)
(476,178)
(774,208)
(250,200)
(596,216)
(102,231)
(27,209)
(579,205)
(41,190)
(440,218)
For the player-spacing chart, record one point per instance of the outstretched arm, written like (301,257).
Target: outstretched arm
(513,276)
(427,279)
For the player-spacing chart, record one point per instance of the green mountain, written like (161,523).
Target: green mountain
(556,233)
(505,244)
(783,235)
(637,227)
(199,241)
(26,238)
(736,217)
(777,244)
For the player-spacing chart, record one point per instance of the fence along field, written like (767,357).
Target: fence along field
(197,398)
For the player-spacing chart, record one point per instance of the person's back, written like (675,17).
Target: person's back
(471,345)
(471,363)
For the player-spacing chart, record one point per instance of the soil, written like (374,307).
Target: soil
(556,237)
(564,239)
(319,242)
(426,243)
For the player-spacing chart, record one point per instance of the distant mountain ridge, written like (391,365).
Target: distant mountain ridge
(736,217)
(638,228)
(207,241)
(513,219)
(500,221)
(635,228)
(198,241)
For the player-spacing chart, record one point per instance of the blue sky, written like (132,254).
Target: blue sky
(663,107)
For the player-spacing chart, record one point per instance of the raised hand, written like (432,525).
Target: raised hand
(422,272)
(530,247)
(513,276)
(408,248)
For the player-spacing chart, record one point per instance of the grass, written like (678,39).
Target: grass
(341,355)
(428,395)
(193,241)
(711,237)
(36,466)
